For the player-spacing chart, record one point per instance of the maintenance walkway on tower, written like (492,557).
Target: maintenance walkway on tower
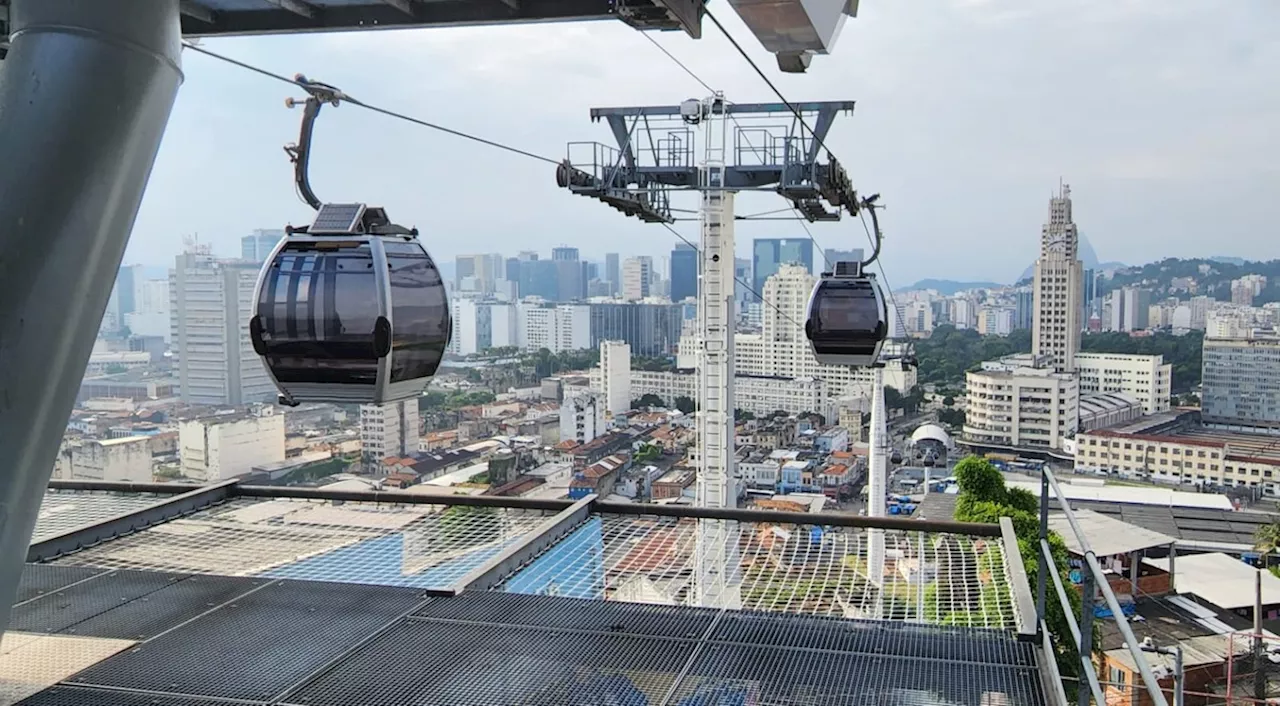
(176,595)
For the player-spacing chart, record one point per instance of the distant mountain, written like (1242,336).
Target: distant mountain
(949,287)
(1088,258)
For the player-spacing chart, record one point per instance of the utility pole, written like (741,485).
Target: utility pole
(1259,654)
(655,156)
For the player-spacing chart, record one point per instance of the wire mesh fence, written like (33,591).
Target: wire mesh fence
(928,577)
(419,546)
(65,510)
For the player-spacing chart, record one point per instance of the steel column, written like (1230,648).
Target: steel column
(1088,599)
(85,94)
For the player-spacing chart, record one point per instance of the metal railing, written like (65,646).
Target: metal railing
(1094,583)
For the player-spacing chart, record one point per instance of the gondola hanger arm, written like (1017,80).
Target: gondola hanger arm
(300,154)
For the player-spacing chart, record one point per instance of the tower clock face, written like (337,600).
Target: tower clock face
(1057,243)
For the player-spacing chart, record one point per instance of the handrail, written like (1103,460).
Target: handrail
(1103,586)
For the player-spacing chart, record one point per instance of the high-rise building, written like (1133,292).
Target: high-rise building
(615,376)
(565,253)
(566,327)
(769,254)
(650,329)
(742,296)
(257,246)
(386,431)
(1241,383)
(781,349)
(684,272)
(612,273)
(210,304)
(1092,302)
(1024,308)
(637,278)
(1058,281)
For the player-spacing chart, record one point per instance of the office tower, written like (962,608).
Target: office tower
(1241,383)
(538,278)
(464,267)
(565,252)
(210,305)
(769,254)
(649,329)
(637,277)
(612,273)
(1091,279)
(684,272)
(257,246)
(571,279)
(1057,286)
(1024,308)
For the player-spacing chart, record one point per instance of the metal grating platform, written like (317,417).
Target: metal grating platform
(330,644)
(39,579)
(257,646)
(415,546)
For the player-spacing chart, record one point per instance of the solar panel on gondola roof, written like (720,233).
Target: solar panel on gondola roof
(338,218)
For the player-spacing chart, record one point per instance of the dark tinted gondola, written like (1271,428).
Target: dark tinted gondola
(351,310)
(847,321)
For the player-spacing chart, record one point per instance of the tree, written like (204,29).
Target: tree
(984,498)
(686,405)
(648,400)
(743,415)
(948,401)
(648,453)
(952,417)
(116,369)
(1267,541)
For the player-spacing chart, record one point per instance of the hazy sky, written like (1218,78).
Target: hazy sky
(1161,114)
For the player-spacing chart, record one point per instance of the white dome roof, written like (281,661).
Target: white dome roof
(932,432)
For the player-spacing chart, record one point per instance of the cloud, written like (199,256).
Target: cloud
(968,113)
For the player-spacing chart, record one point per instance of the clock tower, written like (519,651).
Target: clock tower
(1058,287)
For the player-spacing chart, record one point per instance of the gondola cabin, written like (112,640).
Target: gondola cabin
(350,310)
(847,320)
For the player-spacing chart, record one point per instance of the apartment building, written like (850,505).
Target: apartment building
(221,446)
(1021,401)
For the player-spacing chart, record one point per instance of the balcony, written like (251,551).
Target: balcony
(266,595)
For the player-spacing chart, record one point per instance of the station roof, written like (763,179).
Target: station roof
(290,600)
(208,18)
(1107,536)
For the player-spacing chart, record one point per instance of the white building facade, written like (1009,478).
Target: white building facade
(388,430)
(615,376)
(1021,401)
(224,446)
(210,305)
(1146,378)
(582,416)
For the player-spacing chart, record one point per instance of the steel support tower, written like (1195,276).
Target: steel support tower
(85,93)
(655,156)
(877,480)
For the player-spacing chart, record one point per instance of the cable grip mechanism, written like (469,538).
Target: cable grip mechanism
(300,153)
